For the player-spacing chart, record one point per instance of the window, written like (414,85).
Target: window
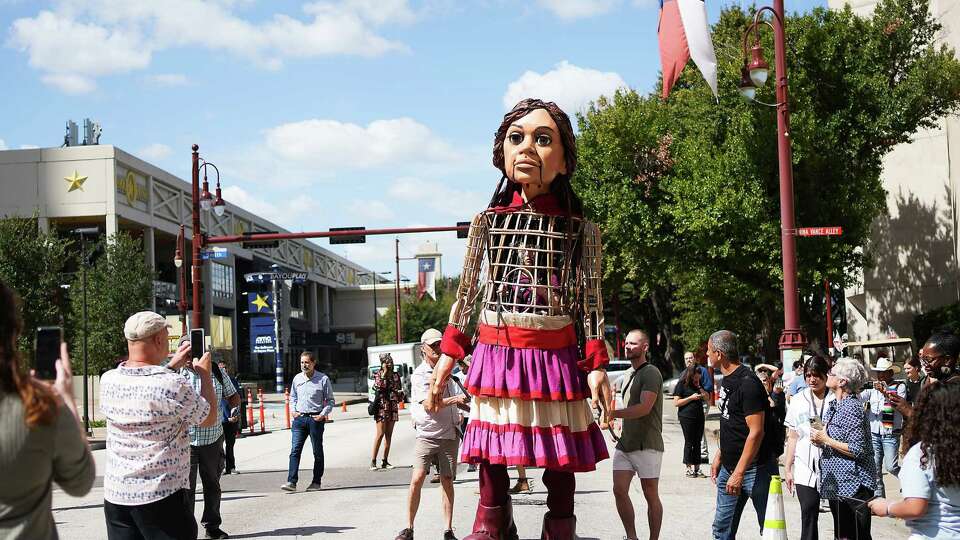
(222,280)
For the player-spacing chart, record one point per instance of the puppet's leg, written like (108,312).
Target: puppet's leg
(494,519)
(559,523)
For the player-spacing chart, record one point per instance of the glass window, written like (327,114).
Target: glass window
(222,280)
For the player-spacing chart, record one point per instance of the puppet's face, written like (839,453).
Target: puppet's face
(532,150)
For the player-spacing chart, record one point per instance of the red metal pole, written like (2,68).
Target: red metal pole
(261,237)
(792,336)
(196,320)
(397,293)
(286,407)
(829,300)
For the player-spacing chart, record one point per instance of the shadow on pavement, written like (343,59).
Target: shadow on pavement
(295,531)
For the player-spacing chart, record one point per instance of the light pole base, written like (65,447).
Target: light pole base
(792,338)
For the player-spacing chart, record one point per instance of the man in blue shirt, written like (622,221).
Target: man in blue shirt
(311,398)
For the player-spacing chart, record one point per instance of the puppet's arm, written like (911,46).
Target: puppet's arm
(456,344)
(595,350)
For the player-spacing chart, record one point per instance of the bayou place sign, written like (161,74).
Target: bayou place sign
(133,187)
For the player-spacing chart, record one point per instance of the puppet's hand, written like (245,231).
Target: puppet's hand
(601,396)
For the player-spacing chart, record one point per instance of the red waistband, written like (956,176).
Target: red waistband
(527,338)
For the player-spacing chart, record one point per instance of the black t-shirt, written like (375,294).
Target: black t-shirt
(693,409)
(741,395)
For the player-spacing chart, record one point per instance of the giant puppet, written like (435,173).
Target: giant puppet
(532,270)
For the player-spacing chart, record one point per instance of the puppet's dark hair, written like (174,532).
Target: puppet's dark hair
(560,186)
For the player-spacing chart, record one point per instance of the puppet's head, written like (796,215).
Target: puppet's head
(535,144)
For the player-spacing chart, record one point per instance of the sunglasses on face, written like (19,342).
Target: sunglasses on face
(435,347)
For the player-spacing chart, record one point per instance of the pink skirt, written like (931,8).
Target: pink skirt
(529,408)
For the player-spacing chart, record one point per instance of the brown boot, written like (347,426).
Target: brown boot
(494,523)
(559,528)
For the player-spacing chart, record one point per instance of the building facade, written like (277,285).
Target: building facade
(103,186)
(915,245)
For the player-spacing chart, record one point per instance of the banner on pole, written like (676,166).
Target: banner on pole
(262,337)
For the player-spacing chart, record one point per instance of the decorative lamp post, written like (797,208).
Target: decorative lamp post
(753,75)
(182,277)
(84,232)
(202,200)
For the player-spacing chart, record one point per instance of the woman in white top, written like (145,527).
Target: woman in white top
(930,474)
(802,469)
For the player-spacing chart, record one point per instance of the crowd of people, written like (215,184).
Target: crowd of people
(171,418)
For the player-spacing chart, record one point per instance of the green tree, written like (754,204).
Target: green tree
(686,190)
(119,284)
(32,263)
(418,315)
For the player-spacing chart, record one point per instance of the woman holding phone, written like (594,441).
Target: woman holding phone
(688,398)
(802,466)
(41,440)
(847,472)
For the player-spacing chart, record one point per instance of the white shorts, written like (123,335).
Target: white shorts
(646,463)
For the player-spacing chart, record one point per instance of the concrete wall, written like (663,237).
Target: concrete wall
(915,245)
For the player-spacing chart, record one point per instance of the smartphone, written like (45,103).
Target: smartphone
(816,423)
(197,343)
(47,351)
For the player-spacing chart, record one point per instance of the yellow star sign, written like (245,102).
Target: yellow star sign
(261,303)
(76,181)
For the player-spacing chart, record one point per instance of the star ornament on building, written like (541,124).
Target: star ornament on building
(76,181)
(261,303)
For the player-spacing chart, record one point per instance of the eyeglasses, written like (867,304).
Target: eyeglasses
(435,347)
(926,359)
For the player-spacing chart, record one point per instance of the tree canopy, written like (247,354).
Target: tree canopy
(686,191)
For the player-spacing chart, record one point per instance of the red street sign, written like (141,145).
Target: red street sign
(819,231)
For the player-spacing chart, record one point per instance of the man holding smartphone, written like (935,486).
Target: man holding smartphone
(207,443)
(886,420)
(148,409)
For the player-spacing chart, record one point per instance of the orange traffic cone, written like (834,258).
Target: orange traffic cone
(343,406)
(402,406)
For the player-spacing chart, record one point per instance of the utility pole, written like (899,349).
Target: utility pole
(397,293)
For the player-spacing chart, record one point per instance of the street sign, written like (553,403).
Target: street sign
(267,277)
(348,239)
(214,253)
(820,231)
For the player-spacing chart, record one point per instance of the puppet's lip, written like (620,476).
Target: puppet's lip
(525,164)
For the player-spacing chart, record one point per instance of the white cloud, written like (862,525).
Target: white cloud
(288,214)
(439,197)
(329,143)
(84,39)
(168,79)
(578,9)
(371,210)
(28,147)
(154,152)
(570,86)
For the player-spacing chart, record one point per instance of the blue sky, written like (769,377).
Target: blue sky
(324,113)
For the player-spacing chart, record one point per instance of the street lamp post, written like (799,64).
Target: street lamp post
(84,232)
(202,200)
(182,277)
(753,75)
(376,322)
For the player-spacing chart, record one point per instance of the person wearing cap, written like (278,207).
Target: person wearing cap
(436,434)
(149,410)
(886,420)
(311,400)
(207,456)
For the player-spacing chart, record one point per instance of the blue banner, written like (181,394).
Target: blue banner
(259,303)
(262,337)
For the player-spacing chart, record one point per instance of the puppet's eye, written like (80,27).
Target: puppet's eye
(544,140)
(515,137)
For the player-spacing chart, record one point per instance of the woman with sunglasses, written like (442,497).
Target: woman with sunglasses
(802,467)
(390,389)
(939,357)
(848,474)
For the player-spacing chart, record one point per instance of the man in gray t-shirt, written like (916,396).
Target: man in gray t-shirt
(640,449)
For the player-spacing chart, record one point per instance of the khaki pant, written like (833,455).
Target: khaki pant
(445,451)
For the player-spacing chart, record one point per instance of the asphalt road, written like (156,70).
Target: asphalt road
(362,504)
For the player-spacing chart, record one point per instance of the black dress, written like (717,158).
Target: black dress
(691,420)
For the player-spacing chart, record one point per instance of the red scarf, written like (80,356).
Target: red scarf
(546,203)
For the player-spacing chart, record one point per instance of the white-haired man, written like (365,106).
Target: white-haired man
(149,410)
